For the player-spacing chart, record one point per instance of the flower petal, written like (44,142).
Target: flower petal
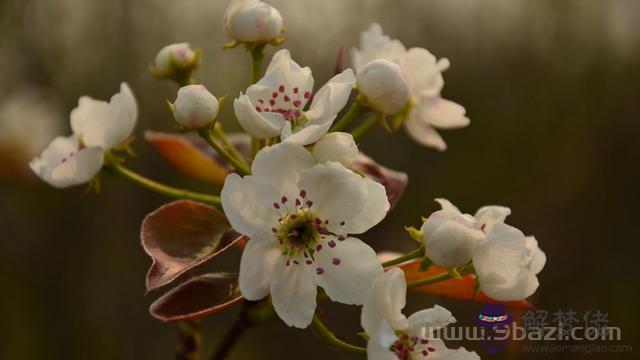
(256,267)
(374,210)
(337,194)
(346,269)
(331,98)
(498,261)
(103,124)
(375,45)
(537,257)
(261,125)
(277,170)
(377,352)
(442,113)
(424,322)
(293,293)
(394,182)
(423,133)
(437,350)
(241,205)
(382,309)
(421,67)
(306,135)
(283,71)
(487,216)
(336,146)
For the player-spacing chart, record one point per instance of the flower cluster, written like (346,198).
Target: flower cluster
(296,191)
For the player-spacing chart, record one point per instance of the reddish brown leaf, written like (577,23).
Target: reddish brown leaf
(182,235)
(394,181)
(197,298)
(461,289)
(191,159)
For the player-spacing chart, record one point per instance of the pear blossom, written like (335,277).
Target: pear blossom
(97,127)
(298,214)
(384,85)
(428,110)
(180,55)
(252,21)
(275,104)
(505,261)
(195,107)
(394,336)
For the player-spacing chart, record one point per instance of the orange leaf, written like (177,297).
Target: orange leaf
(458,289)
(187,158)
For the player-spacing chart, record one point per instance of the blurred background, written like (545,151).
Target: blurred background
(551,88)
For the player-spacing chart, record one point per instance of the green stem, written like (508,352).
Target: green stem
(257,54)
(220,134)
(354,111)
(419,252)
(330,338)
(189,340)
(365,126)
(161,188)
(243,169)
(429,281)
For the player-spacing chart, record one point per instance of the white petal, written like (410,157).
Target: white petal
(308,134)
(441,352)
(293,293)
(377,352)
(256,266)
(331,98)
(423,133)
(537,257)
(424,322)
(382,309)
(346,269)
(375,45)
(286,72)
(336,146)
(62,164)
(498,261)
(421,67)
(261,125)
(374,210)
(103,124)
(487,216)
(446,205)
(450,244)
(246,214)
(280,167)
(337,194)
(442,113)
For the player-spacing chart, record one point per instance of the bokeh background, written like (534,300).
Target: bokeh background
(551,88)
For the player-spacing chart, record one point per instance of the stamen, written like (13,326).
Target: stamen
(336,261)
(319,271)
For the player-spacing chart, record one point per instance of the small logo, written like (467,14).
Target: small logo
(495,321)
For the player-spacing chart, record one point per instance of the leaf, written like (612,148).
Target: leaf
(182,235)
(189,158)
(198,297)
(394,181)
(463,289)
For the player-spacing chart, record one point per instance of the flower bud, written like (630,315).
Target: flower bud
(449,238)
(195,108)
(384,86)
(252,21)
(175,61)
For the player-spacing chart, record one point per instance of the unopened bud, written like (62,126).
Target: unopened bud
(195,108)
(384,86)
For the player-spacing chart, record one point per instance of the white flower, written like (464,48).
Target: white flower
(424,74)
(97,126)
(195,107)
(384,85)
(252,21)
(180,55)
(298,215)
(393,336)
(506,262)
(336,146)
(275,105)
